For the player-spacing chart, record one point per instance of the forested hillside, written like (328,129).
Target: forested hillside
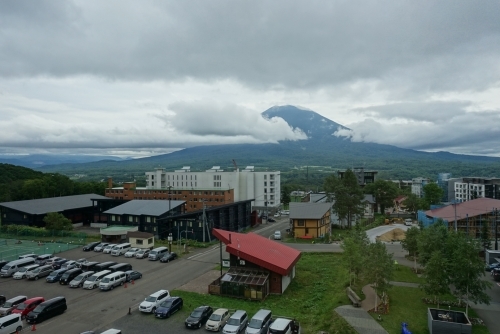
(20,183)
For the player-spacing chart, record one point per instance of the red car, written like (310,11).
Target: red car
(28,306)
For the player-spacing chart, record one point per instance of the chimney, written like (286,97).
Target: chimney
(110,182)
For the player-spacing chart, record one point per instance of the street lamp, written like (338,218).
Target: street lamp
(169,242)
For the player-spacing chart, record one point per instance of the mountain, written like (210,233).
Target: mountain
(39,160)
(320,149)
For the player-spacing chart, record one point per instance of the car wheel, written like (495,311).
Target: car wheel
(80,285)
(36,278)
(140,276)
(199,326)
(112,287)
(121,283)
(153,310)
(18,329)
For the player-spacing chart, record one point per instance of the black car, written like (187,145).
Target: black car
(55,276)
(69,276)
(198,317)
(91,246)
(58,264)
(47,310)
(2,300)
(133,275)
(169,307)
(168,257)
(271,220)
(492,266)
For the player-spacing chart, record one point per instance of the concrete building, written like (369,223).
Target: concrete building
(467,188)
(364,176)
(417,186)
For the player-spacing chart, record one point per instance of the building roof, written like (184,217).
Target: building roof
(299,210)
(140,235)
(52,204)
(318,197)
(118,230)
(369,198)
(147,207)
(269,254)
(472,208)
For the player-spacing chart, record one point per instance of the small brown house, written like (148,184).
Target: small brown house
(310,220)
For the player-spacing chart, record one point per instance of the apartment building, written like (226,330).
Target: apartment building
(468,188)
(417,186)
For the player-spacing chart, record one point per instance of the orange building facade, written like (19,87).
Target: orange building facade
(194,198)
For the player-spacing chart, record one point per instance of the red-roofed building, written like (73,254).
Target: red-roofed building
(258,266)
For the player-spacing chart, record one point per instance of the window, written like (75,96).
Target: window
(265,177)
(199,224)
(150,240)
(130,219)
(138,241)
(148,219)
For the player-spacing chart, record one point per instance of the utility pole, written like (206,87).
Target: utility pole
(455,205)
(496,230)
(169,200)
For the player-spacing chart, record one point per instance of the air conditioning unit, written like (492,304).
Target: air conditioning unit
(242,262)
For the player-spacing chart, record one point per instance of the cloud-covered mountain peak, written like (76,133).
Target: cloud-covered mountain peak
(310,122)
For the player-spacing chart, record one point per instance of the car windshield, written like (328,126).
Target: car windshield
(107,247)
(140,252)
(105,280)
(215,317)
(22,270)
(38,309)
(37,270)
(65,276)
(79,277)
(167,303)
(21,306)
(151,299)
(196,313)
(152,253)
(233,322)
(255,323)
(6,267)
(92,278)
(7,304)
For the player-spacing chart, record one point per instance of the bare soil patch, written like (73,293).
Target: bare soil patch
(395,234)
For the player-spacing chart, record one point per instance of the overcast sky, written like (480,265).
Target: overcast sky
(138,78)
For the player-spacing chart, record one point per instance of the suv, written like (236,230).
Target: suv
(40,272)
(150,304)
(236,323)
(217,320)
(198,317)
(55,276)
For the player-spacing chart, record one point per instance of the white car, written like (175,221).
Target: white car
(150,304)
(142,254)
(131,252)
(100,247)
(24,271)
(277,215)
(69,265)
(277,235)
(408,222)
(108,248)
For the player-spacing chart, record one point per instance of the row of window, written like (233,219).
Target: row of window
(173,192)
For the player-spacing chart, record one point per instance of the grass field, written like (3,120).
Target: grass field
(405,274)
(10,249)
(311,297)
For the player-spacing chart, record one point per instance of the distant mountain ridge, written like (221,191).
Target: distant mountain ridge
(321,148)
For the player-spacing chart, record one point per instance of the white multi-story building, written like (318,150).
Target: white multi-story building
(417,186)
(247,183)
(465,191)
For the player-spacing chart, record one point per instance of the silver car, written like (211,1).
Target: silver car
(80,279)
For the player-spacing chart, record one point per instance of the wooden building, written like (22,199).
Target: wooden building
(310,220)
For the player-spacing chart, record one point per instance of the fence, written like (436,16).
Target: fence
(40,234)
(11,249)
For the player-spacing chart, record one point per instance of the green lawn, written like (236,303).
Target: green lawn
(405,274)
(406,306)
(319,287)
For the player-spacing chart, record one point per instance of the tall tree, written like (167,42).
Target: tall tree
(430,240)
(285,194)
(379,268)
(56,221)
(410,243)
(355,247)
(413,203)
(437,276)
(432,193)
(384,192)
(346,194)
(467,269)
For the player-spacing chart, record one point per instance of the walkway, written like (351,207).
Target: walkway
(360,320)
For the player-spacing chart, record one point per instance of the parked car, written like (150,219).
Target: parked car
(31,255)
(54,259)
(198,317)
(55,276)
(11,324)
(58,264)
(2,300)
(69,265)
(100,247)
(3,263)
(169,307)
(167,257)
(217,320)
(151,303)
(277,235)
(271,220)
(11,304)
(93,281)
(42,259)
(496,274)
(39,272)
(259,324)
(142,254)
(408,222)
(277,214)
(70,275)
(133,275)
(108,248)
(89,247)
(237,322)
(282,325)
(490,267)
(27,306)
(47,310)
(78,281)
(81,261)
(23,271)
(131,252)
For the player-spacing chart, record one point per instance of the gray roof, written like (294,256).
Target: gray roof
(318,197)
(308,210)
(53,204)
(369,198)
(149,207)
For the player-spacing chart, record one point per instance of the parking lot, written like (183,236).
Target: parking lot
(98,310)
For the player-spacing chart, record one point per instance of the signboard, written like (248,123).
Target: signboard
(225,263)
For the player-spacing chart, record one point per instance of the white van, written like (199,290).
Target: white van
(120,249)
(11,323)
(408,222)
(14,266)
(24,271)
(110,281)
(157,253)
(93,281)
(28,255)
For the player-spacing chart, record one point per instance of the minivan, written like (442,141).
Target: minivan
(157,253)
(93,281)
(28,305)
(104,266)
(13,266)
(22,272)
(40,272)
(236,322)
(217,320)
(56,275)
(78,281)
(70,275)
(47,310)
(110,281)
(42,259)
(120,249)
(281,326)
(11,304)
(31,255)
(11,324)
(89,266)
(120,267)
(259,324)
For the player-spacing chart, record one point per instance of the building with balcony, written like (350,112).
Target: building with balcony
(418,184)
(468,188)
